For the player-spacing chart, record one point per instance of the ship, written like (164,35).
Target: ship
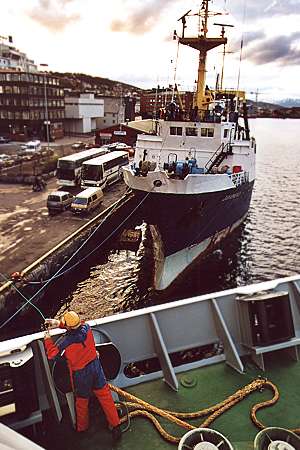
(195,174)
(217,371)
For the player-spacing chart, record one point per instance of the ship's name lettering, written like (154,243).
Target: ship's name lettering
(231,196)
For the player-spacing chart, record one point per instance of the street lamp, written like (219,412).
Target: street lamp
(46,121)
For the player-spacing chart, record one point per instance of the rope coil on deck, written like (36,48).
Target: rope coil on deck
(138,407)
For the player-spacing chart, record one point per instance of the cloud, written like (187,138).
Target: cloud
(52,14)
(143,18)
(280,50)
(248,38)
(256,9)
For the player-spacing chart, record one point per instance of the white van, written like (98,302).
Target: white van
(32,146)
(87,200)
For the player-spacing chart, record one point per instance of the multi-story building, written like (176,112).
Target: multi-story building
(11,58)
(31,103)
(153,101)
(82,112)
(114,112)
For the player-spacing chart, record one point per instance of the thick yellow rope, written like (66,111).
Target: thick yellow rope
(138,407)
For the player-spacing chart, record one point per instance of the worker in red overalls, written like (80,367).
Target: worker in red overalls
(87,376)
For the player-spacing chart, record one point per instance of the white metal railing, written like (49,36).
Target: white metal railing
(239,178)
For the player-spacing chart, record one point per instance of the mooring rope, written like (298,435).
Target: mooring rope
(59,271)
(138,407)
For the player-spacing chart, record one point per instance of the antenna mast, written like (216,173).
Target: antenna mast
(223,25)
(203,44)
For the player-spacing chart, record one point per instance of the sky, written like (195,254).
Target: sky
(132,41)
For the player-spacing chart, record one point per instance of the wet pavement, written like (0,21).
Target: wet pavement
(27,231)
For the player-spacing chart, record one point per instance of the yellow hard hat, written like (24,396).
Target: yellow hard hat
(71,319)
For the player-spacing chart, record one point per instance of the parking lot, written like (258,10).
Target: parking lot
(27,231)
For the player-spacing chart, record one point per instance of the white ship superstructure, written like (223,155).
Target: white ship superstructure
(197,170)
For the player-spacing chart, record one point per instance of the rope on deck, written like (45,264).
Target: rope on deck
(138,407)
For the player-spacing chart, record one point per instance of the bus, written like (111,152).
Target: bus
(104,170)
(68,170)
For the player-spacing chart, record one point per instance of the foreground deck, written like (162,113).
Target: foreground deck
(208,385)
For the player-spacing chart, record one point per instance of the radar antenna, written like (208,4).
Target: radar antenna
(183,20)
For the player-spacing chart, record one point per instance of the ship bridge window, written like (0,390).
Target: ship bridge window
(176,131)
(191,131)
(207,132)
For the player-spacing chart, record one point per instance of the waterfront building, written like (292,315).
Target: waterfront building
(83,111)
(29,103)
(114,111)
(118,133)
(153,101)
(12,59)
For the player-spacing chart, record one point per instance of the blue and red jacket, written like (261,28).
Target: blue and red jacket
(78,347)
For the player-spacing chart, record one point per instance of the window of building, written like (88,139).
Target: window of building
(176,131)
(226,132)
(8,89)
(191,131)
(207,132)
(15,77)
(24,77)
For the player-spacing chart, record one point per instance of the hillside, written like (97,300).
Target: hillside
(290,102)
(102,86)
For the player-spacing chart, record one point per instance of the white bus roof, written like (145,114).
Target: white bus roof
(85,153)
(88,192)
(104,158)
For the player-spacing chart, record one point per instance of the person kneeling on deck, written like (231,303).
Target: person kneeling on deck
(87,376)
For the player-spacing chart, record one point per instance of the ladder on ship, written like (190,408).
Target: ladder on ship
(218,157)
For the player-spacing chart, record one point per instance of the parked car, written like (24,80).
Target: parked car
(121,146)
(90,145)
(3,157)
(87,200)
(59,201)
(32,146)
(78,145)
(4,140)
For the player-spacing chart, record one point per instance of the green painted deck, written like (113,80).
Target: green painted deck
(212,384)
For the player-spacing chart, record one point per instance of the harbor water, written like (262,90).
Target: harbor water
(264,248)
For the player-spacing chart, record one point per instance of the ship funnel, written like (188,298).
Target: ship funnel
(204,439)
(274,438)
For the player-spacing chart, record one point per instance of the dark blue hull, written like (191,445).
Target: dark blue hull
(187,220)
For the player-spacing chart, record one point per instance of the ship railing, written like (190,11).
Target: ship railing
(239,178)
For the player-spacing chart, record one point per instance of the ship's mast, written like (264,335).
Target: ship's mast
(203,44)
